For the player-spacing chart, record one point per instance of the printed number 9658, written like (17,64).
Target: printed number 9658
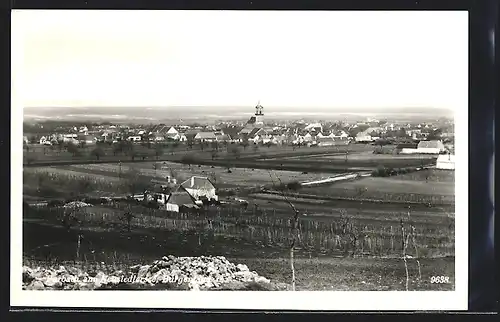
(440,279)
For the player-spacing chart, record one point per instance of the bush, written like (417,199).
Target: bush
(381,171)
(294,185)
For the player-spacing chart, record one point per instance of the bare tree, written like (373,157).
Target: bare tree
(235,151)
(295,232)
(128,216)
(97,153)
(158,150)
(214,154)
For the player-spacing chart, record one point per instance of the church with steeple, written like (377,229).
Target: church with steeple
(255,123)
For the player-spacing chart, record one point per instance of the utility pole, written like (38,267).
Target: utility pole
(120,169)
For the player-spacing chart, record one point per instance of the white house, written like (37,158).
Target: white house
(178,199)
(363,137)
(88,139)
(172,130)
(446,162)
(308,137)
(44,141)
(69,137)
(205,137)
(158,137)
(134,138)
(200,187)
(431,147)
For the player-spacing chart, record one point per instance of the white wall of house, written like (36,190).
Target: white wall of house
(409,151)
(197,193)
(429,150)
(364,138)
(446,162)
(134,138)
(172,207)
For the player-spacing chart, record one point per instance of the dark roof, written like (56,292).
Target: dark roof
(198,183)
(254,132)
(407,146)
(181,197)
(232,131)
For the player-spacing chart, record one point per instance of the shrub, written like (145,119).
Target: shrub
(381,171)
(294,185)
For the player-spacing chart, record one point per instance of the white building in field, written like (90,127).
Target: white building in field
(431,147)
(446,162)
(199,187)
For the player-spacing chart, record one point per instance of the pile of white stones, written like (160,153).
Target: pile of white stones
(188,273)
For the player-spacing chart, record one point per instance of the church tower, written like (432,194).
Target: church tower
(259,115)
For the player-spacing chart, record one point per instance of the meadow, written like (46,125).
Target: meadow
(439,188)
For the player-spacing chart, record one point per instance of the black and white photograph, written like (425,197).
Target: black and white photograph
(277,153)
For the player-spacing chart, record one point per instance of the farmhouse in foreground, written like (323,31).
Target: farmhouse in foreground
(180,199)
(200,187)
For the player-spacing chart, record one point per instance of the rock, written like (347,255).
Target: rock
(27,275)
(100,279)
(170,272)
(52,282)
(143,271)
(242,267)
(260,279)
(73,271)
(36,285)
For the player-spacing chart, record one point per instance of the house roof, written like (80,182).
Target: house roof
(407,146)
(434,144)
(325,139)
(199,183)
(205,135)
(232,132)
(255,131)
(181,197)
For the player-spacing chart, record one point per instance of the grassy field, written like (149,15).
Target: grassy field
(412,187)
(239,177)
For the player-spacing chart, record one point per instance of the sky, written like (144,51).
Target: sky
(236,58)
